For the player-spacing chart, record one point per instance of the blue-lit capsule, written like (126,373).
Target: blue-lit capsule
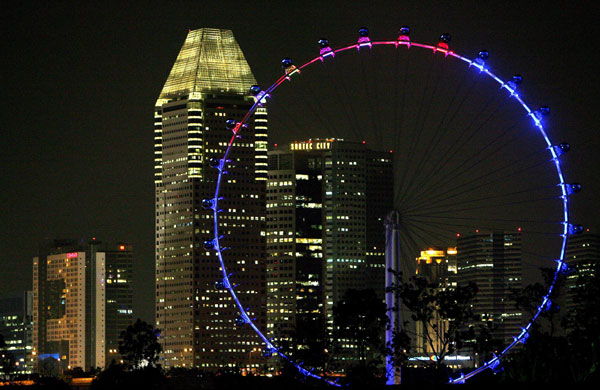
(445,37)
(564,147)
(207,203)
(575,229)
(517,79)
(574,188)
(214,162)
(267,353)
(363,32)
(323,43)
(405,30)
(219,285)
(545,110)
(230,124)
(255,90)
(483,55)
(239,321)
(209,244)
(286,62)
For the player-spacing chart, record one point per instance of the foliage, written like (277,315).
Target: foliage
(360,317)
(443,313)
(139,344)
(117,377)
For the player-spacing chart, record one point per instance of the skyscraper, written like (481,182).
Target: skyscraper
(492,260)
(16,327)
(326,201)
(82,300)
(583,257)
(208,84)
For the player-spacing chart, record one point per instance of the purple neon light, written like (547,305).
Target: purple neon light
(512,90)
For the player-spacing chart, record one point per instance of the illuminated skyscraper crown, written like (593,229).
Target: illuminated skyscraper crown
(209,61)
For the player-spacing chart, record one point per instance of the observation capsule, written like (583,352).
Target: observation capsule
(363,37)
(255,90)
(207,204)
(219,285)
(575,229)
(209,244)
(214,162)
(574,188)
(404,36)
(239,321)
(230,124)
(324,48)
(444,40)
(482,57)
(289,67)
(545,110)
(286,62)
(564,147)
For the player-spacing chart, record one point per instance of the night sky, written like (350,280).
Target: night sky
(79,84)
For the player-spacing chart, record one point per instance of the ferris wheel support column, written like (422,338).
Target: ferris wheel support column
(394,313)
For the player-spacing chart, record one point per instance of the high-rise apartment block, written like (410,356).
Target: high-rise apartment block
(82,300)
(208,85)
(16,328)
(492,260)
(326,201)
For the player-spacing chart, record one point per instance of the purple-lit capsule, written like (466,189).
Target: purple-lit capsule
(483,55)
(363,32)
(564,147)
(545,110)
(405,30)
(517,79)
(255,90)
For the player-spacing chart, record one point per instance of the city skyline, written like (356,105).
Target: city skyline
(70,147)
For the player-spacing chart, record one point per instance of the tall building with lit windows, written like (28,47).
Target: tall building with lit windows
(492,260)
(82,300)
(582,258)
(16,328)
(326,201)
(208,84)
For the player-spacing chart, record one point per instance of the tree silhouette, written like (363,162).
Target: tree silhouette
(139,344)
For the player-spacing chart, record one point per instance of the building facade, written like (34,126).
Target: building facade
(16,328)
(208,85)
(583,257)
(326,201)
(492,261)
(82,300)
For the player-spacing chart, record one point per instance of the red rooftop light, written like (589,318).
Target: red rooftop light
(122,247)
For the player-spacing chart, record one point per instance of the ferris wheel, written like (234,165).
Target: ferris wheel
(469,153)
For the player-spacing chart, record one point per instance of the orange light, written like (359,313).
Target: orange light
(122,247)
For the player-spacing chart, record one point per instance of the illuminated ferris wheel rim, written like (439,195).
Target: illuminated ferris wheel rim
(478,63)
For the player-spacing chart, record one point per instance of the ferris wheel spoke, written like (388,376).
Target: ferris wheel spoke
(438,134)
(428,181)
(466,187)
(415,137)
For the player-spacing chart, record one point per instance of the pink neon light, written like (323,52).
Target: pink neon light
(72,255)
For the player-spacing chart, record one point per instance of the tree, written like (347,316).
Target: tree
(443,314)
(360,318)
(139,344)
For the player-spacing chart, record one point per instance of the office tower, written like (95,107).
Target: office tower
(326,201)
(492,260)
(583,257)
(208,84)
(16,327)
(82,300)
